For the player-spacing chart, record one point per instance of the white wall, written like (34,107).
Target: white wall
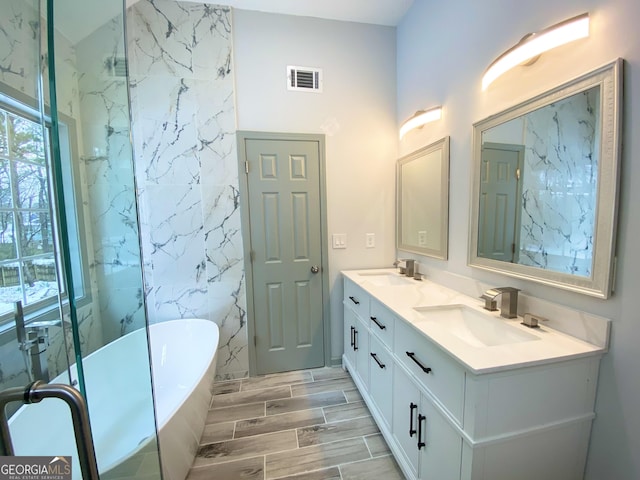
(443,50)
(356,112)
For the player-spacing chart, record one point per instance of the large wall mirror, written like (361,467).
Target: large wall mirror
(423,200)
(545,186)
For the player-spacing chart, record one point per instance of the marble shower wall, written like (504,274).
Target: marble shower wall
(106,156)
(560,185)
(186,167)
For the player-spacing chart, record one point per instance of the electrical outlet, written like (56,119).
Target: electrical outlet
(370,241)
(339,240)
(422,238)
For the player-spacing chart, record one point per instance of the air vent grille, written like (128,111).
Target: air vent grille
(304,79)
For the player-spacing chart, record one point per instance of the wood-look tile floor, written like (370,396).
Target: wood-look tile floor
(309,424)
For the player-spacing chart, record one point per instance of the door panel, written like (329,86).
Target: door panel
(499,201)
(286,242)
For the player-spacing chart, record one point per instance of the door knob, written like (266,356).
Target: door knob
(315,269)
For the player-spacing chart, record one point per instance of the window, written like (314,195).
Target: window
(27,231)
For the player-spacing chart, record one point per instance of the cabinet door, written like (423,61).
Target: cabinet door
(440,445)
(362,352)
(406,402)
(380,377)
(350,322)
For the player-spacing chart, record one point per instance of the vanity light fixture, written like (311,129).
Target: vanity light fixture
(532,45)
(418,119)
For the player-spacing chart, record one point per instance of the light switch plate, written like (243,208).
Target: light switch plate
(339,240)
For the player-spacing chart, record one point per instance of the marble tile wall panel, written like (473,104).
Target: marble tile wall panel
(558,211)
(186,167)
(106,154)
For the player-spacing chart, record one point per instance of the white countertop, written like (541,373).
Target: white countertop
(401,297)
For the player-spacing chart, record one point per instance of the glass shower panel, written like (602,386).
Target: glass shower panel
(91,235)
(91,86)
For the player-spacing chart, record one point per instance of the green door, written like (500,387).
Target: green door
(283,179)
(499,222)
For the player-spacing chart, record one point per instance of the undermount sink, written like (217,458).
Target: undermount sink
(471,326)
(386,279)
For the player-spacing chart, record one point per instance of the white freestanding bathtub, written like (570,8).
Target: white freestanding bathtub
(183,355)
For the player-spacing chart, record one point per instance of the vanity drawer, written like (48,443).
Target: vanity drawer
(434,370)
(356,298)
(382,322)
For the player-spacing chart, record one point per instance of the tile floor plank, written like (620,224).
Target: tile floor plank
(332,473)
(305,402)
(316,457)
(240,412)
(346,411)
(287,378)
(331,432)
(377,445)
(381,467)
(221,452)
(322,386)
(217,432)
(252,396)
(328,373)
(245,469)
(275,423)
(232,386)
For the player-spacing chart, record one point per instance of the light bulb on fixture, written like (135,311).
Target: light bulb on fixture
(534,44)
(419,118)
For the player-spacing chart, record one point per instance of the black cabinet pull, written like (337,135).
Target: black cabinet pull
(352,339)
(355,339)
(375,357)
(412,407)
(354,300)
(375,320)
(412,356)
(421,418)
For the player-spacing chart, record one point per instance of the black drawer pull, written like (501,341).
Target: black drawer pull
(412,407)
(352,339)
(421,418)
(354,300)
(412,356)
(375,320)
(375,357)
(355,339)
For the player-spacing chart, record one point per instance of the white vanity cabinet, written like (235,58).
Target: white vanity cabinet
(427,443)
(443,420)
(381,378)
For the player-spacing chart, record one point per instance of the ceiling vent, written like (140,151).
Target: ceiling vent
(304,79)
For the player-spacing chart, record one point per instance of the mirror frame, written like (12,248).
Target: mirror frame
(600,284)
(443,252)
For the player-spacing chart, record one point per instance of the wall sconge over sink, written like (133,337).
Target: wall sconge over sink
(418,119)
(532,45)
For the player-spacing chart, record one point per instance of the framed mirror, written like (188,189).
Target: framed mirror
(423,201)
(544,199)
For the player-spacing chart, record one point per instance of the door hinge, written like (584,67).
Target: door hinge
(246,167)
(255,340)
(513,248)
(517,173)
(252,256)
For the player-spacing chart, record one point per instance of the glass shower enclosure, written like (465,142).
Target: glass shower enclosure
(71,283)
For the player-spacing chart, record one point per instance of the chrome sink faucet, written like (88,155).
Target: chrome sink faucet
(509,303)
